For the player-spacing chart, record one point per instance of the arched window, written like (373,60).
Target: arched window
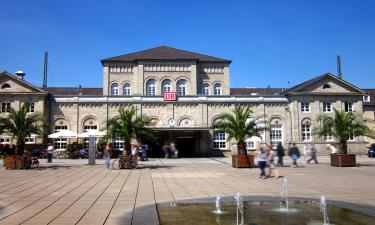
(166,86)
(306,130)
(276,132)
(114,89)
(127,89)
(150,87)
(5,86)
(206,89)
(218,89)
(181,87)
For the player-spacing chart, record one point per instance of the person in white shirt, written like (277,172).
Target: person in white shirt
(49,153)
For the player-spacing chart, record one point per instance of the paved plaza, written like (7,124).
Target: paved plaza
(72,192)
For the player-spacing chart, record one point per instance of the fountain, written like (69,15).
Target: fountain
(239,203)
(323,210)
(284,204)
(218,210)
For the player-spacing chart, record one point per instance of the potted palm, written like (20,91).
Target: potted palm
(21,124)
(239,125)
(130,127)
(341,127)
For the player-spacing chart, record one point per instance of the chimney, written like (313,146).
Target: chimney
(20,74)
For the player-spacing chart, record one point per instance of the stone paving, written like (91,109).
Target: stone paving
(71,192)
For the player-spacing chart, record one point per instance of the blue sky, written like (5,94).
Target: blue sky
(271,42)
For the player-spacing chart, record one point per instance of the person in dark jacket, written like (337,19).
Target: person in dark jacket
(280,154)
(294,153)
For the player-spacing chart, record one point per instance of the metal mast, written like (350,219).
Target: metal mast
(339,72)
(45,69)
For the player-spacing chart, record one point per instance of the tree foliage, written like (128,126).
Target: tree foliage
(342,126)
(239,124)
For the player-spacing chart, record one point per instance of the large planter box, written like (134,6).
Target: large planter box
(12,162)
(343,160)
(243,161)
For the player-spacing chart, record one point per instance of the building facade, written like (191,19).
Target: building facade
(202,88)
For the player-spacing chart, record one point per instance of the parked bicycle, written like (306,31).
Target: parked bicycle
(123,162)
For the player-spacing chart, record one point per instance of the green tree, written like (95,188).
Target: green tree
(128,126)
(20,124)
(342,126)
(239,124)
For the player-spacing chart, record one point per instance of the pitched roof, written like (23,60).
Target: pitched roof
(313,80)
(73,91)
(164,53)
(24,82)
(256,91)
(371,93)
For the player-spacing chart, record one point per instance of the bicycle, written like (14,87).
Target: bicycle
(123,162)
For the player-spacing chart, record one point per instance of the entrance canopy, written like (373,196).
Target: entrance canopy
(63,134)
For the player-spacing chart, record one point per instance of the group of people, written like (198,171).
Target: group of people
(140,150)
(266,155)
(170,151)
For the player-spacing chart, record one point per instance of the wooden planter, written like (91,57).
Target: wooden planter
(243,161)
(11,164)
(343,160)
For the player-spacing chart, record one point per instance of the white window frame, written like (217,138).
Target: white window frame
(250,145)
(306,132)
(30,140)
(218,90)
(206,89)
(151,87)
(219,140)
(60,143)
(31,108)
(119,143)
(276,135)
(366,98)
(351,137)
(5,140)
(5,107)
(327,107)
(166,86)
(305,107)
(348,106)
(115,90)
(127,89)
(181,87)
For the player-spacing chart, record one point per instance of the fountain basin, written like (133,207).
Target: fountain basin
(301,211)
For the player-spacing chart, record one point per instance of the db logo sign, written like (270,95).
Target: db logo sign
(170,96)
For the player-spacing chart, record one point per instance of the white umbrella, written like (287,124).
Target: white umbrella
(91,133)
(254,139)
(63,134)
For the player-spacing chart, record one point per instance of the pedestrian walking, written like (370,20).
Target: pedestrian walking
(306,152)
(272,171)
(313,154)
(262,161)
(49,153)
(107,154)
(294,154)
(280,154)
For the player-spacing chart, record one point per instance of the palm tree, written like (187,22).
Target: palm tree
(128,126)
(342,126)
(239,124)
(21,125)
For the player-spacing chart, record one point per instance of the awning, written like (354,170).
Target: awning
(91,133)
(63,134)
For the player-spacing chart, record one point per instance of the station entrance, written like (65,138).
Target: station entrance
(188,142)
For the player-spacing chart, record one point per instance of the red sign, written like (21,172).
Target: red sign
(170,96)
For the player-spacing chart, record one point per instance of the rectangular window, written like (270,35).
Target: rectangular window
(30,140)
(328,137)
(327,107)
(4,140)
(250,145)
(351,137)
(5,107)
(60,127)
(276,136)
(31,107)
(305,107)
(60,143)
(348,107)
(118,143)
(90,127)
(219,141)
(306,132)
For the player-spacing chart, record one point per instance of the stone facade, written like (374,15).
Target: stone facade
(195,110)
